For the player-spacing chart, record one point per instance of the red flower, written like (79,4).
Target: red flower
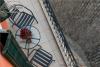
(26,34)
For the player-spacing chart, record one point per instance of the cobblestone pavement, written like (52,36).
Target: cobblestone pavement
(80,20)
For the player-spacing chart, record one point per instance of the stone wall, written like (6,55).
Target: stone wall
(80,20)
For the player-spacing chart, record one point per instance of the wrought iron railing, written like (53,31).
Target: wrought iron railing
(64,44)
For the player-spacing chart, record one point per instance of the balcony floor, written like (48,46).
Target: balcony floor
(47,40)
